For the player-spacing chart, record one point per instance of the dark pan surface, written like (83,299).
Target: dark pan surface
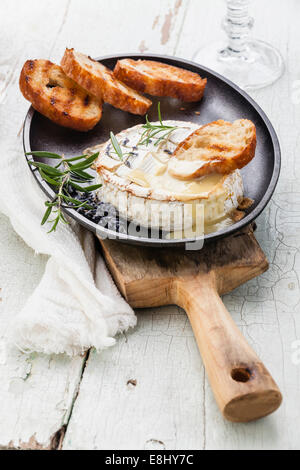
(222,100)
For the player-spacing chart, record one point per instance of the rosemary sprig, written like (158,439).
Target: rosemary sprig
(68,173)
(158,132)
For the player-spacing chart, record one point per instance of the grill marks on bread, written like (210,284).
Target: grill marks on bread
(58,97)
(218,147)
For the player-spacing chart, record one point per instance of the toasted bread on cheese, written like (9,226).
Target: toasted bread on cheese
(218,147)
(101,82)
(58,97)
(158,79)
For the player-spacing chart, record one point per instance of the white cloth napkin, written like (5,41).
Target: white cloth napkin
(76,305)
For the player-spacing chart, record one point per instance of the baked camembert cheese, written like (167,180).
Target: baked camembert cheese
(140,182)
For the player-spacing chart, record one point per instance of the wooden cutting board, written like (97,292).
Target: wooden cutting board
(147,277)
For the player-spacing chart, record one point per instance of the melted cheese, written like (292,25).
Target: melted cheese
(138,177)
(204,184)
(144,189)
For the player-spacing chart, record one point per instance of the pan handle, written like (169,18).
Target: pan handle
(243,387)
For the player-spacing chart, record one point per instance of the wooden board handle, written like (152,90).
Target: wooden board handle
(243,387)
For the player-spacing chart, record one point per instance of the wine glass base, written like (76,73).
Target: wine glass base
(260,65)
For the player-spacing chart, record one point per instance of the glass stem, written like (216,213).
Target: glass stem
(237,25)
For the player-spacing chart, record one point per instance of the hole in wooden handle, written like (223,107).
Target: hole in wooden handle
(241,374)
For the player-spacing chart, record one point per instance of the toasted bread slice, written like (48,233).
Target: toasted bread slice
(218,147)
(158,79)
(58,97)
(101,82)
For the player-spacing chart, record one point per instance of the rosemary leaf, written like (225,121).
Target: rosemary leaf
(72,200)
(86,189)
(81,166)
(80,179)
(159,114)
(82,174)
(62,218)
(50,204)
(48,179)
(86,162)
(116,146)
(158,132)
(75,159)
(78,187)
(56,221)
(47,168)
(93,188)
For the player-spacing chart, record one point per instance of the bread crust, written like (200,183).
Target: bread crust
(58,97)
(158,79)
(101,82)
(218,162)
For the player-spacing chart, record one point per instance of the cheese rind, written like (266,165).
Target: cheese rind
(144,191)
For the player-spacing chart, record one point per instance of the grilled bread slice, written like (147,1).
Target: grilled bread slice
(58,97)
(158,79)
(218,147)
(101,82)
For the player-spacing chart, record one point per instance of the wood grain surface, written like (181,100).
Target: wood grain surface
(244,389)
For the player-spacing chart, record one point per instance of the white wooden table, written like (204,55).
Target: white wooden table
(92,403)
